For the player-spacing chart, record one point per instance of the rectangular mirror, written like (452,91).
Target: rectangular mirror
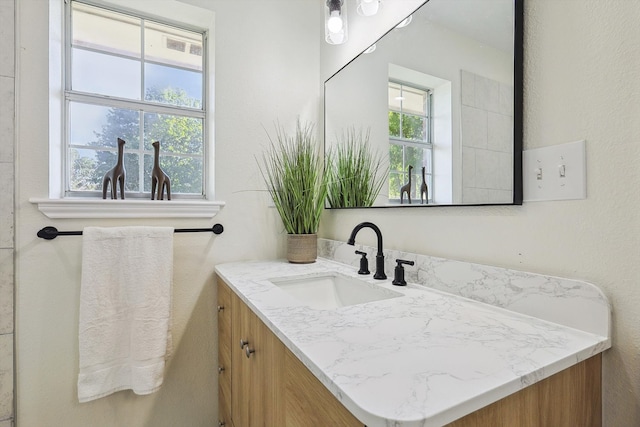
(438,99)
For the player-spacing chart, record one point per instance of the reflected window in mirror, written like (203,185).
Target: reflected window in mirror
(410,139)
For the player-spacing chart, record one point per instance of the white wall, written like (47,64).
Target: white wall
(581,80)
(262,74)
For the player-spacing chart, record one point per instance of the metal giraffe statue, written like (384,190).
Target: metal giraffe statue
(424,189)
(115,175)
(407,187)
(159,179)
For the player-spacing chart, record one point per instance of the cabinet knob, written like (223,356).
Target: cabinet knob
(220,369)
(221,423)
(243,343)
(220,308)
(248,351)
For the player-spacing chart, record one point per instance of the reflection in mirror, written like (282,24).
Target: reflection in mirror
(441,99)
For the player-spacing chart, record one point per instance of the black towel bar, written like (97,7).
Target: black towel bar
(50,233)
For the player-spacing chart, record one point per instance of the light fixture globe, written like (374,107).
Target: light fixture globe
(368,7)
(335,21)
(334,24)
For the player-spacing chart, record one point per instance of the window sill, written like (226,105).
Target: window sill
(134,208)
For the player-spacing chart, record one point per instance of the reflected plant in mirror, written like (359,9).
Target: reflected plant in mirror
(355,171)
(442,95)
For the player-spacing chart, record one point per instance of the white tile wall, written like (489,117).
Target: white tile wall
(6,376)
(6,291)
(468,88)
(487,94)
(499,132)
(7,37)
(487,139)
(506,99)
(468,164)
(6,204)
(7,143)
(476,119)
(487,163)
(505,176)
(7,114)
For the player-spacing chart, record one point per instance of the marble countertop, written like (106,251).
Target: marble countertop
(426,358)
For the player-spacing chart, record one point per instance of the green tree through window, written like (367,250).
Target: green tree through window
(181,141)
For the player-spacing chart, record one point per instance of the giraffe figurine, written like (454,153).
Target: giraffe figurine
(159,179)
(424,189)
(407,187)
(115,175)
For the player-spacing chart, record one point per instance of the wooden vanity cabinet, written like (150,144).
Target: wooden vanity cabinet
(262,383)
(272,388)
(570,398)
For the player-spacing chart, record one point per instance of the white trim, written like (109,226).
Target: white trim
(99,208)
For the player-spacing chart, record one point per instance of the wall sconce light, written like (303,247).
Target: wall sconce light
(368,7)
(335,21)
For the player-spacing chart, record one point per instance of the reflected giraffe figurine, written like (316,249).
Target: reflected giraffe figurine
(407,187)
(115,175)
(159,179)
(424,189)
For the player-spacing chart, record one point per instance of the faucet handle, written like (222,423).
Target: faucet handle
(398,276)
(364,263)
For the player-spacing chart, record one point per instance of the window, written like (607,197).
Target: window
(410,138)
(141,80)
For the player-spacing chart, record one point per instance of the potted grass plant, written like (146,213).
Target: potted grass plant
(355,172)
(292,169)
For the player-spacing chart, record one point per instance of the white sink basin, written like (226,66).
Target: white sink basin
(332,290)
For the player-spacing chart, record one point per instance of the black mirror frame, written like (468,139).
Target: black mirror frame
(518,107)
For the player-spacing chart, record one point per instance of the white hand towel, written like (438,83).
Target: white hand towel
(125,309)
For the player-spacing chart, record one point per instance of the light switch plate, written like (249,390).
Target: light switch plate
(558,172)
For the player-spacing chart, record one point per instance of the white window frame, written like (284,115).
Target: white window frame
(425,144)
(144,106)
(56,205)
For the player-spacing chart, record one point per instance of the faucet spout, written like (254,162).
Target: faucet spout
(379,274)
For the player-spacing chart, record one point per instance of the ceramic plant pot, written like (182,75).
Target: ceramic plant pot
(302,248)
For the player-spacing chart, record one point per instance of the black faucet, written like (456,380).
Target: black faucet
(379,274)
